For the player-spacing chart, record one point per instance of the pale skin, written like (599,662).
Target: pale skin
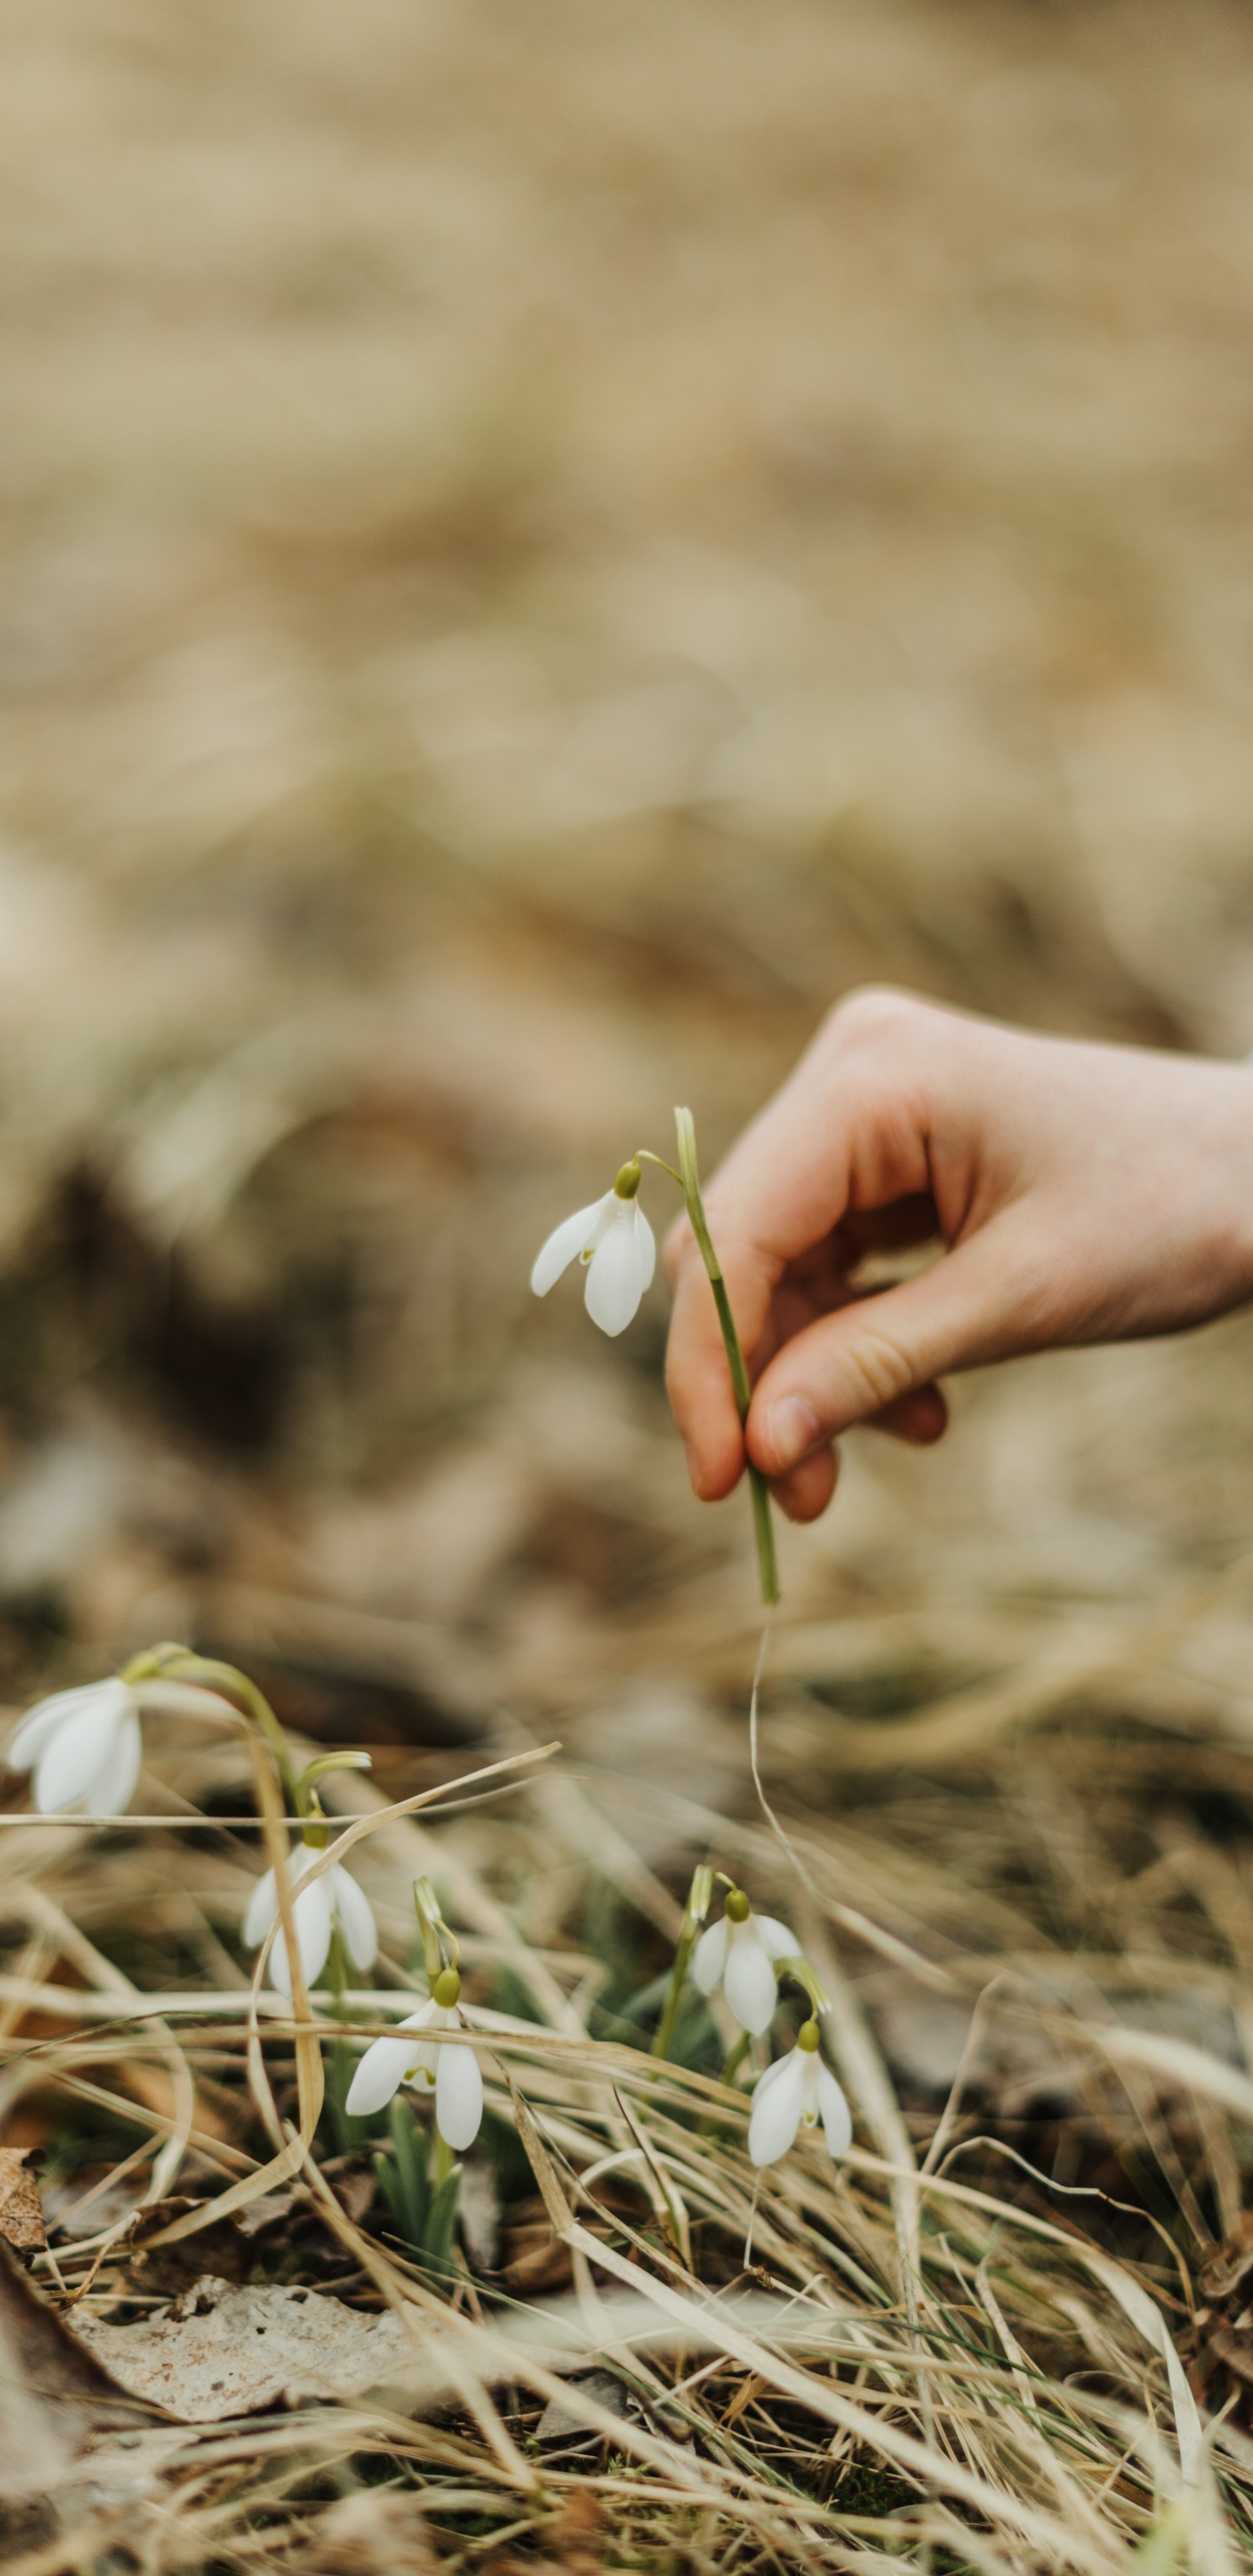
(1075,1193)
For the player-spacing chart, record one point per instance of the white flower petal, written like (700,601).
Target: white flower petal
(263,1902)
(355,1916)
(384,2066)
(31,1738)
(458,2097)
(423,2066)
(37,1728)
(709,1957)
(837,2119)
(565,1244)
(380,2074)
(774,2072)
(775,1938)
(262,1909)
(616,1279)
(645,1248)
(312,1912)
(114,1787)
(81,1748)
(608,1210)
(749,1981)
(776,2112)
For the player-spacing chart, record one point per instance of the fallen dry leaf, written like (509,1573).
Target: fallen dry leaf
(221,2350)
(21,2216)
(55,2398)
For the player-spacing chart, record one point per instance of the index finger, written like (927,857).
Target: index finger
(698,1381)
(836,1136)
(768,1201)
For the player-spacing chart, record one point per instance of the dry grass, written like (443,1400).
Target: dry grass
(947,2350)
(537,549)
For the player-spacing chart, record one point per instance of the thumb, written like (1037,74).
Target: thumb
(975,1305)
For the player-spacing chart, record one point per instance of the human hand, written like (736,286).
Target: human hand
(1081,1193)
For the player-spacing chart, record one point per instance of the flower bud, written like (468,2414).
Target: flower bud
(700,1894)
(807,2036)
(737,1907)
(628,1179)
(447,1987)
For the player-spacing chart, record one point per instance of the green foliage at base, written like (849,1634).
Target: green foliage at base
(424,2211)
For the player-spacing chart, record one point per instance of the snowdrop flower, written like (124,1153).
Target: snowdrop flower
(615,1239)
(451,2073)
(795,2093)
(333,1901)
(83,1746)
(739,1953)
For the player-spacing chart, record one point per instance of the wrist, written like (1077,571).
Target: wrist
(1220,1168)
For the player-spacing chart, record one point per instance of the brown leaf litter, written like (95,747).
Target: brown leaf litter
(21,2212)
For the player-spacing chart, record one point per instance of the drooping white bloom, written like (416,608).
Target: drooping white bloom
(451,2073)
(739,1953)
(84,1747)
(615,1239)
(798,2090)
(333,1901)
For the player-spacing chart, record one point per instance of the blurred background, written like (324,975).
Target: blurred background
(539,547)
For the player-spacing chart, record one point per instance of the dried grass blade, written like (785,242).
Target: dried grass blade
(43,1911)
(922,2461)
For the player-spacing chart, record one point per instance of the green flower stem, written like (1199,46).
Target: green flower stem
(664,2033)
(711,2126)
(322,1765)
(179,1663)
(336,1971)
(763,1526)
(441,2155)
(694,1913)
(799,1970)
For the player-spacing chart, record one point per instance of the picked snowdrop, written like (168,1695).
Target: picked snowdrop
(84,1747)
(615,1240)
(452,2074)
(333,1903)
(796,2092)
(739,1953)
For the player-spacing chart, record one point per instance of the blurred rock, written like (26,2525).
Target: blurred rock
(564,2424)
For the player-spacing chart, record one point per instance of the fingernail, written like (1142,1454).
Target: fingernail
(792,1429)
(693,1466)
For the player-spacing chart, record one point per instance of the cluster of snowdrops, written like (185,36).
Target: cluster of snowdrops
(85,1751)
